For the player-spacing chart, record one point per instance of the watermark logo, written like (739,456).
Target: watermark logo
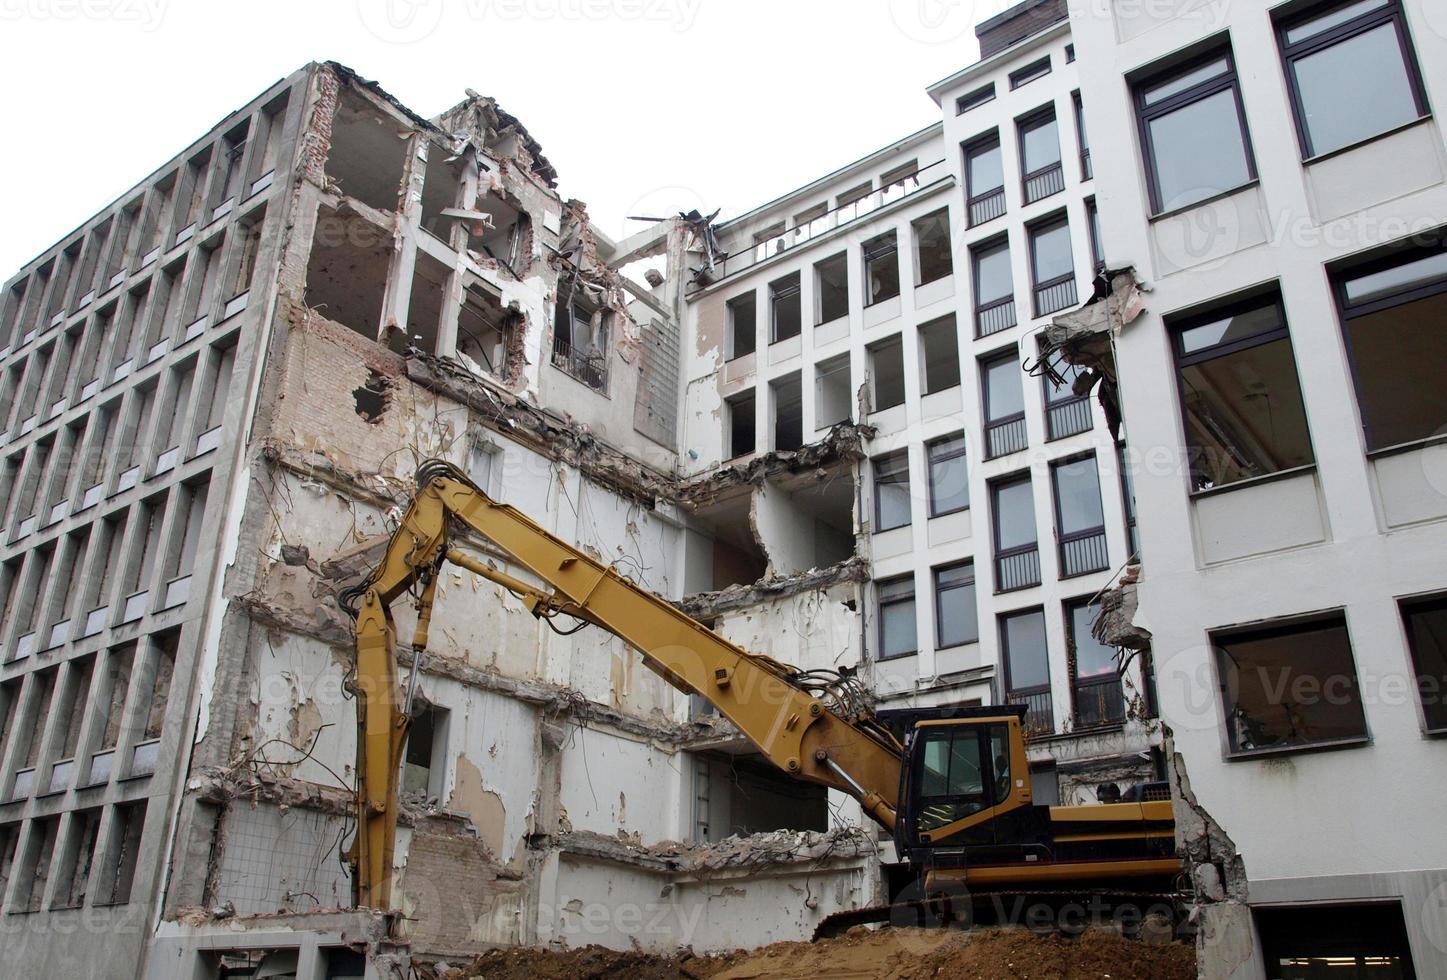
(400,21)
(146,14)
(934,21)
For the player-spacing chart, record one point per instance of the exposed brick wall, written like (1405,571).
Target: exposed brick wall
(1018,23)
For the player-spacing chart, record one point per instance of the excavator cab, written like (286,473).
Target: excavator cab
(965,788)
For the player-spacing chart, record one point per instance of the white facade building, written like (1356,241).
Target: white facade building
(905,292)
(1275,176)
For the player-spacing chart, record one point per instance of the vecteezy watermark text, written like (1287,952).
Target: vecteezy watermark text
(147,14)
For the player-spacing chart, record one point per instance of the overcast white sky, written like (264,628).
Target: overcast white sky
(643,106)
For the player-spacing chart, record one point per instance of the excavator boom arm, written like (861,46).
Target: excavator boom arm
(790,725)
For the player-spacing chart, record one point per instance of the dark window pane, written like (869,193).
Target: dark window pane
(1324,23)
(1418,272)
(1051,253)
(992,275)
(784,308)
(1199,151)
(986,170)
(1077,494)
(951,777)
(881,269)
(941,353)
(1427,635)
(1092,658)
(1289,687)
(1354,89)
(1027,656)
(1244,416)
(1014,516)
(891,488)
(1040,144)
(958,618)
(933,259)
(896,618)
(741,325)
(1004,393)
(1399,356)
(886,364)
(833,288)
(1239,326)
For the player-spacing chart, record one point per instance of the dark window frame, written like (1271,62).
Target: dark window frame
(1092,223)
(881,601)
(842,259)
(732,403)
(1177,327)
(877,466)
(1272,630)
(1032,72)
(976,146)
(1037,117)
(975,98)
(1009,354)
(998,553)
(1068,607)
(1347,310)
(939,592)
(1027,695)
(1406,608)
(978,251)
(1063,537)
(879,252)
(942,215)
(1228,80)
(963,452)
(1371,20)
(1082,140)
(1049,223)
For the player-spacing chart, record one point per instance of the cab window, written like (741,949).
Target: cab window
(1000,753)
(952,777)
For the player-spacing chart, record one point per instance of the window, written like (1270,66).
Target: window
(1318,940)
(1040,155)
(899,175)
(1027,667)
(1289,686)
(423,764)
(1086,172)
(897,637)
(975,98)
(1079,520)
(1193,130)
(940,353)
(1096,691)
(1031,72)
(886,372)
(994,287)
(831,283)
(1426,621)
(1097,247)
(1004,397)
(580,341)
(952,775)
(785,313)
(1351,72)
(741,424)
(1239,391)
(1069,54)
(1394,313)
(956,619)
(1066,413)
(985,179)
(1017,550)
(1127,493)
(932,258)
(788,397)
(852,195)
(833,399)
(1052,265)
(881,269)
(949,476)
(743,334)
(891,491)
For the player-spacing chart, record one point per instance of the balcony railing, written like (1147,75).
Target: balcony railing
(1055,295)
(1082,552)
(1099,701)
(1044,182)
(746,256)
(1068,418)
(1005,436)
(589,367)
(995,316)
(1039,712)
(987,207)
(1017,568)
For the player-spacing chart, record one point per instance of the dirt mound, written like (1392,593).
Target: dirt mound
(886,954)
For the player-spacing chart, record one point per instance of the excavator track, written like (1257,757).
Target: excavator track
(1042,910)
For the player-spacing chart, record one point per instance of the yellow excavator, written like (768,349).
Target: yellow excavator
(952,784)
